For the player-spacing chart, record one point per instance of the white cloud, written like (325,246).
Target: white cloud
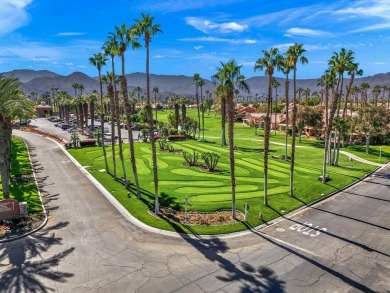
(198,47)
(81,66)
(219,40)
(69,64)
(8,54)
(380,63)
(208,26)
(158,56)
(181,5)
(13,15)
(69,34)
(296,31)
(377,11)
(40,58)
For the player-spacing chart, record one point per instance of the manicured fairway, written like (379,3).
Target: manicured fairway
(211,191)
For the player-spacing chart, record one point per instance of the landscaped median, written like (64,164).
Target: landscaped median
(23,189)
(209,192)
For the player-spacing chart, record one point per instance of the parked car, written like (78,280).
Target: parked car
(73,129)
(51,118)
(134,127)
(65,126)
(56,120)
(58,124)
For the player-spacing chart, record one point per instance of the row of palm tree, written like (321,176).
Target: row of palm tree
(117,44)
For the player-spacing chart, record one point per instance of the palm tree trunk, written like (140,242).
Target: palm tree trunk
(293,135)
(184,116)
(92,110)
(286,85)
(267,130)
(223,120)
(5,155)
(152,140)
(110,92)
(197,106)
(230,107)
(102,121)
(123,83)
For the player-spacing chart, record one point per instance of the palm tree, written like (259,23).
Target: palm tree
(275,84)
(13,104)
(109,79)
(147,28)
(138,90)
(155,90)
(196,78)
(99,60)
(230,77)
(353,71)
(272,60)
(201,83)
(294,54)
(306,92)
(339,63)
(286,68)
(126,37)
(364,86)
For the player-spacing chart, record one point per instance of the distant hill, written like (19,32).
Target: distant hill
(43,80)
(25,75)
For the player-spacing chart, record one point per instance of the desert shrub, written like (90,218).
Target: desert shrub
(191,158)
(173,131)
(211,160)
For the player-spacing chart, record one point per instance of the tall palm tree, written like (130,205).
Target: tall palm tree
(271,60)
(155,90)
(307,92)
(196,78)
(201,83)
(126,37)
(294,54)
(138,90)
(13,104)
(353,71)
(286,68)
(111,48)
(99,60)
(109,80)
(275,84)
(339,63)
(230,77)
(146,28)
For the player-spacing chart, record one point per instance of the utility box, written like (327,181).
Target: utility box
(23,208)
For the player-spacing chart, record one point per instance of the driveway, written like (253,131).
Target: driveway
(339,245)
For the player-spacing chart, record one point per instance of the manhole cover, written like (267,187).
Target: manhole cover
(280,229)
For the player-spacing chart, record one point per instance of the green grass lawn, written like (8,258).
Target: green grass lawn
(211,191)
(20,165)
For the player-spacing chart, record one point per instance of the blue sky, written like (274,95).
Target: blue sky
(60,35)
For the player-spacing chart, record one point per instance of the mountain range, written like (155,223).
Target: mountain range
(43,81)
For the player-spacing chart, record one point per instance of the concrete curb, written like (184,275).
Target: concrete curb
(142,225)
(40,198)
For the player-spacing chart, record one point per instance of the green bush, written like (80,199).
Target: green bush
(173,131)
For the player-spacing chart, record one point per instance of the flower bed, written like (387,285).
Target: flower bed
(199,218)
(176,137)
(21,225)
(47,134)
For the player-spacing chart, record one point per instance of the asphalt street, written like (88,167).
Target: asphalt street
(341,244)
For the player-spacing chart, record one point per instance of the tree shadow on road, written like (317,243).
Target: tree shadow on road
(20,274)
(331,269)
(249,278)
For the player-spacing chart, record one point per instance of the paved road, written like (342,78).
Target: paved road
(45,125)
(339,245)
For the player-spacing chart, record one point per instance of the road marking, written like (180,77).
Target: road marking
(280,229)
(306,229)
(289,244)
